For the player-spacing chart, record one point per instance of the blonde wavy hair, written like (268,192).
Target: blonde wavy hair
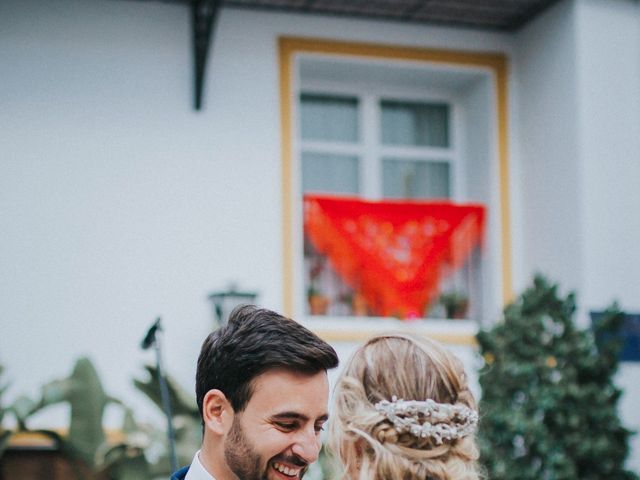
(366,442)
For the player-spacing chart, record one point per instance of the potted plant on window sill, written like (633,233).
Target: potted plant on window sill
(359,305)
(455,303)
(318,302)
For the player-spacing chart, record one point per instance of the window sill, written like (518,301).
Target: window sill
(358,329)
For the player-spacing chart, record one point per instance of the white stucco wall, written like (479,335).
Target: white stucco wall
(578,110)
(549,161)
(118,201)
(609,89)
(608,39)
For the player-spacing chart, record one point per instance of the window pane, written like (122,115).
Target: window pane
(324,172)
(415,179)
(329,118)
(420,124)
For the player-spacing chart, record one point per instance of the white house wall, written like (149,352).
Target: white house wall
(545,66)
(609,70)
(578,84)
(609,89)
(118,201)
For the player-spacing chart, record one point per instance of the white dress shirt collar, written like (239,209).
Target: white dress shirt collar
(197,470)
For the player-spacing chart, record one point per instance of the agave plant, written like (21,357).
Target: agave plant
(84,392)
(86,440)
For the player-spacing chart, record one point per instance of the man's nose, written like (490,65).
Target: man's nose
(307,445)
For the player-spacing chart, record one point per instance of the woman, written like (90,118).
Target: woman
(403,411)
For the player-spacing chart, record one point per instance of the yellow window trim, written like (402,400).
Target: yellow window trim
(289,47)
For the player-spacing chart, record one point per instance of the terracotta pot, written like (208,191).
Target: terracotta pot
(359,306)
(318,304)
(458,311)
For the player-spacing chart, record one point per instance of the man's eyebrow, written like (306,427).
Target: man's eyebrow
(297,416)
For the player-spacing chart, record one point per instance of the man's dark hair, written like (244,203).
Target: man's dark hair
(253,341)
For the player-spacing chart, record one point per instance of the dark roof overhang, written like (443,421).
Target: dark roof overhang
(493,15)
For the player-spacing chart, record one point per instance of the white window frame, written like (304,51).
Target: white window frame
(369,148)
(370,151)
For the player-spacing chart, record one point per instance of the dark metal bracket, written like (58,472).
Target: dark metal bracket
(203,15)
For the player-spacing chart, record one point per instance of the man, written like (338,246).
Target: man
(262,391)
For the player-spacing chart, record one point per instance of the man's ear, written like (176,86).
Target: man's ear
(217,412)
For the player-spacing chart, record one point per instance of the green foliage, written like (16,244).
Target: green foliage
(455,303)
(85,441)
(84,392)
(182,403)
(4,434)
(3,388)
(549,405)
(126,462)
(4,440)
(185,416)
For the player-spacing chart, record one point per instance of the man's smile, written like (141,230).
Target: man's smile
(289,466)
(287,470)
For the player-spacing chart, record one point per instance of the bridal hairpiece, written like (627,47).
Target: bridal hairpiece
(429,419)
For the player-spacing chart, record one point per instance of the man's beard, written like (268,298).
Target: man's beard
(240,456)
(244,461)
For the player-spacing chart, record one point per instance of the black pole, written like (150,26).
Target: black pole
(151,339)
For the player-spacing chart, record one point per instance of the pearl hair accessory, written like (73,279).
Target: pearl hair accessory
(429,419)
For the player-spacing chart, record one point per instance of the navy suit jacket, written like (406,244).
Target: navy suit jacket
(180,474)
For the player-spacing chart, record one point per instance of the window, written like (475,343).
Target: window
(331,154)
(384,130)
(410,157)
(380,146)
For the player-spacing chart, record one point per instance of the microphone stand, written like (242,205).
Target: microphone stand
(151,340)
